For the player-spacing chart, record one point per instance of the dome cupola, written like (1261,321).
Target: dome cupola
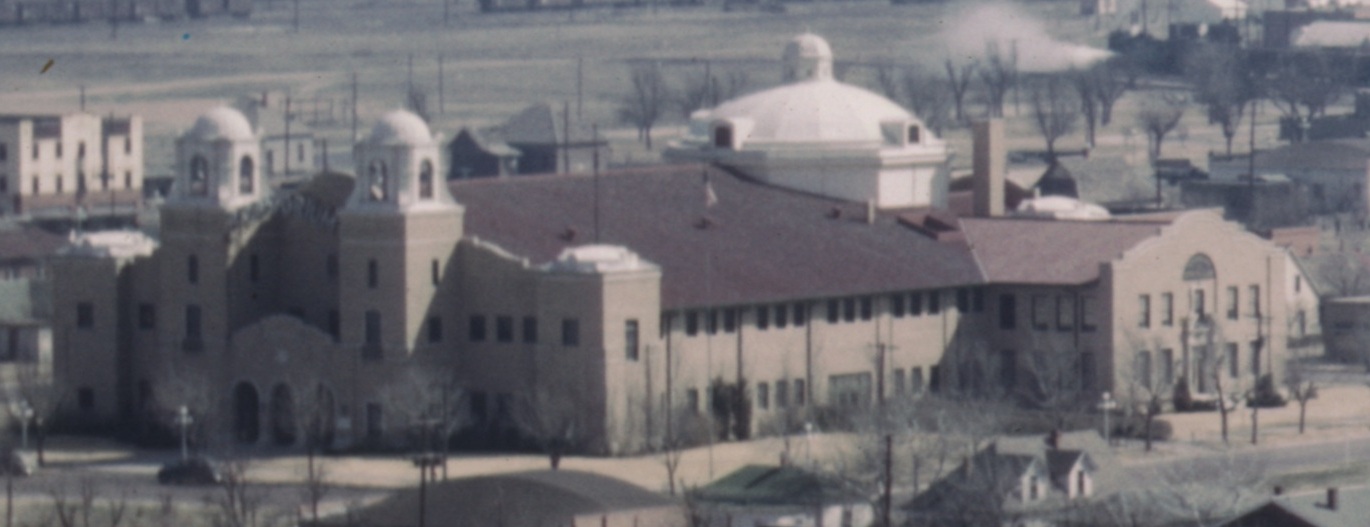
(397,166)
(807,57)
(216,162)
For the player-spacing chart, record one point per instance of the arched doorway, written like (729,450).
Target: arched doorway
(246,407)
(282,416)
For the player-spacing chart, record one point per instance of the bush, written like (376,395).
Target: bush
(1265,395)
(1134,427)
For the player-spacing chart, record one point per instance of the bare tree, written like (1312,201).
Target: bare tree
(35,397)
(695,93)
(929,99)
(1344,272)
(240,503)
(999,74)
(1084,84)
(642,107)
(1146,389)
(1303,85)
(887,80)
(1111,81)
(1223,84)
(1158,116)
(429,401)
(1207,491)
(1055,110)
(552,418)
(315,487)
(958,81)
(1302,388)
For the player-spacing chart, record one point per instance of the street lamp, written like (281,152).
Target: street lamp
(1106,405)
(183,420)
(25,413)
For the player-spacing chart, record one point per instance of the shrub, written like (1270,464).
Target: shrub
(1265,395)
(1184,401)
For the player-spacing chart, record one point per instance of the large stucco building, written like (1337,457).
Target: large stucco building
(51,164)
(618,299)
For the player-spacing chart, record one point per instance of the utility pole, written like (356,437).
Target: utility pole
(565,137)
(441,102)
(354,107)
(594,139)
(580,85)
(83,97)
(410,79)
(886,493)
(286,169)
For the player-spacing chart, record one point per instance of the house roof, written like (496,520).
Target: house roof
(761,244)
(487,144)
(1106,180)
(987,474)
(1311,510)
(545,497)
(541,124)
(27,243)
(760,484)
(1332,33)
(1028,251)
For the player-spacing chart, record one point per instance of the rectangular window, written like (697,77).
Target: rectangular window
(1200,307)
(763,318)
(711,322)
(1255,293)
(1167,309)
(85,315)
(128,180)
(849,309)
(800,314)
(1256,358)
(962,300)
(147,316)
(781,315)
(1298,283)
(128,145)
(335,324)
(832,311)
(782,393)
(254,268)
(692,400)
(1232,302)
(867,310)
(1144,311)
(915,304)
(1166,367)
(530,330)
(692,323)
(763,396)
(897,305)
(729,320)
(193,269)
(373,328)
(899,381)
(934,302)
(1065,313)
(1234,360)
(504,328)
(630,339)
(799,394)
(1087,322)
(570,332)
(437,275)
(35,185)
(35,149)
(1008,312)
(977,300)
(475,329)
(59,184)
(192,326)
(915,380)
(373,274)
(434,329)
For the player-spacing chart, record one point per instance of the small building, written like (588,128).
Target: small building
(1332,172)
(1347,338)
(768,495)
(551,141)
(1272,201)
(52,164)
(1333,508)
(545,498)
(1110,182)
(288,144)
(474,155)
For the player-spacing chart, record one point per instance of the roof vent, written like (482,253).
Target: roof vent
(569,234)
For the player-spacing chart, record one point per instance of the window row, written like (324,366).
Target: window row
(1198,305)
(477,330)
(786,394)
(847,309)
(1064,312)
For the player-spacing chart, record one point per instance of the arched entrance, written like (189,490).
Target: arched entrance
(246,407)
(282,416)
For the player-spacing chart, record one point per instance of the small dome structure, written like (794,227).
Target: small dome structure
(807,56)
(814,112)
(400,127)
(1061,208)
(222,123)
(598,258)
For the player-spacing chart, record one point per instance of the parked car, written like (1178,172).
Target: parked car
(17,462)
(193,471)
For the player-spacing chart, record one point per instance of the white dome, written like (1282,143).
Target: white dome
(400,127)
(822,111)
(597,258)
(222,123)
(808,46)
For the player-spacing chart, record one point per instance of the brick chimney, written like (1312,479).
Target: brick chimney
(1332,498)
(988,161)
(1054,439)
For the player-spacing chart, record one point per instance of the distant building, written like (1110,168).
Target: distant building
(1332,172)
(474,155)
(288,144)
(1278,202)
(1335,507)
(540,139)
(768,496)
(544,498)
(67,11)
(52,164)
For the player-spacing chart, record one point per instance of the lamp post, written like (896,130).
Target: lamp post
(25,413)
(183,420)
(1106,405)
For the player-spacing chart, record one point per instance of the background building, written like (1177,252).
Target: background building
(52,164)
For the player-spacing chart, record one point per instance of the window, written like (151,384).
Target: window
(866,308)
(1166,367)
(711,322)
(899,381)
(299,152)
(254,268)
(59,184)
(246,182)
(475,330)
(630,340)
(977,300)
(1065,313)
(331,266)
(729,320)
(85,399)
(58,146)
(85,315)
(1255,294)
(914,133)
(192,328)
(570,332)
(504,328)
(763,318)
(434,329)
(1032,488)
(832,311)
(35,186)
(35,149)
(1144,308)
(692,400)
(799,394)
(1008,312)
(934,302)
(373,274)
(1234,365)
(1232,302)
(128,145)
(1087,322)
(376,177)
(199,176)
(433,270)
(915,380)
(763,396)
(781,315)
(962,300)
(128,179)
(1298,280)
(1143,372)
(692,323)
(897,305)
(1200,309)
(425,179)
(1256,358)
(849,309)
(335,324)
(915,304)
(373,328)
(782,394)
(1167,309)
(530,330)
(147,316)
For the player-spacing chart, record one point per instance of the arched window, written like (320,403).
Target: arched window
(426,180)
(1199,267)
(377,179)
(199,176)
(723,136)
(245,179)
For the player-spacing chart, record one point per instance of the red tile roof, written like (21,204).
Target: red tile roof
(764,244)
(1041,252)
